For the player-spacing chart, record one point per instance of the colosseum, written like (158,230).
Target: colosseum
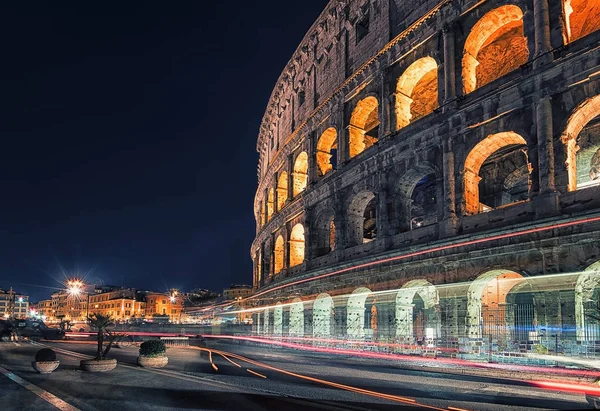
(429,176)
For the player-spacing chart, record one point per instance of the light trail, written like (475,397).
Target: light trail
(561,386)
(409,358)
(257,374)
(430,250)
(230,360)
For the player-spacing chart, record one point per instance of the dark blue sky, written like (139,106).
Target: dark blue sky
(128,136)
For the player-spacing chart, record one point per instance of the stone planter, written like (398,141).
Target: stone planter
(152,362)
(45,367)
(98,365)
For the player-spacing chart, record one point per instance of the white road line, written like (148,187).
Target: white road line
(45,395)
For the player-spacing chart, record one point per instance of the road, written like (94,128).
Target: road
(226,376)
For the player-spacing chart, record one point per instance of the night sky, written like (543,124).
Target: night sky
(128,138)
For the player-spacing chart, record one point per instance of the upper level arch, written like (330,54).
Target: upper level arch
(300,174)
(582,17)
(282,190)
(326,155)
(416,91)
(581,139)
(297,245)
(364,125)
(495,46)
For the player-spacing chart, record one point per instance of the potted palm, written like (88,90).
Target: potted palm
(45,361)
(152,354)
(106,339)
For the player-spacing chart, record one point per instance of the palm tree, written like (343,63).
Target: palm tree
(101,323)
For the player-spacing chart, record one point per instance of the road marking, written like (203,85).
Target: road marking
(45,395)
(255,373)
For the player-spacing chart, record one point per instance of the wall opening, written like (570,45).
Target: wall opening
(323,316)
(300,174)
(495,46)
(417,312)
(357,319)
(296,327)
(362,218)
(496,173)
(324,233)
(587,304)
(279,249)
(327,152)
(364,126)
(582,144)
(270,204)
(416,91)
(423,210)
(282,190)
(297,245)
(582,18)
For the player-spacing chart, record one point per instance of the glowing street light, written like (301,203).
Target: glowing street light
(75,288)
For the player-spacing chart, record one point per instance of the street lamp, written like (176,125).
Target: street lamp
(75,288)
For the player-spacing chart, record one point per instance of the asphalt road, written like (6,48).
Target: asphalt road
(240,377)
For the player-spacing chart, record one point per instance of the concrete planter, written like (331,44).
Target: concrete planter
(45,367)
(98,365)
(152,362)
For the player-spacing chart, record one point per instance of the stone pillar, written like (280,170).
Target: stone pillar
(449,63)
(290,161)
(383,226)
(547,200)
(541,17)
(312,160)
(385,113)
(450,220)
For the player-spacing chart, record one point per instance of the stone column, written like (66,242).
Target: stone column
(541,17)
(383,226)
(290,167)
(543,113)
(450,220)
(449,63)
(385,114)
(312,160)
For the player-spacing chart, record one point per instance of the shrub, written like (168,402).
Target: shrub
(45,354)
(153,348)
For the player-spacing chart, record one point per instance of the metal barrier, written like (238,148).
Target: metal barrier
(176,341)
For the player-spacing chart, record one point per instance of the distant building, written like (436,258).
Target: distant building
(163,304)
(15,302)
(237,291)
(121,304)
(43,309)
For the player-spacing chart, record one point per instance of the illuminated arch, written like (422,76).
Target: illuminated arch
(278,319)
(364,125)
(355,312)
(580,118)
(416,91)
(296,318)
(475,160)
(300,174)
(582,17)
(322,316)
(270,204)
(495,46)
(282,190)
(326,151)
(324,233)
(297,245)
(279,247)
(483,309)
(587,282)
(405,309)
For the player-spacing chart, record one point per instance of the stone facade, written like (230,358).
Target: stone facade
(411,148)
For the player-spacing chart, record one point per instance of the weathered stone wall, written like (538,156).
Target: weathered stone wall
(528,107)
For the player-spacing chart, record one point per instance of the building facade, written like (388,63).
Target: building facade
(162,304)
(13,305)
(237,291)
(431,171)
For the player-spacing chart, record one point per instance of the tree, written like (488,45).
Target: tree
(101,323)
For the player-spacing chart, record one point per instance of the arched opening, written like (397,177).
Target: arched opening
(279,248)
(278,319)
(582,17)
(270,204)
(297,245)
(495,46)
(282,190)
(355,313)
(296,318)
(487,305)
(262,214)
(416,91)
(496,173)
(323,316)
(324,233)
(327,151)
(582,144)
(417,312)
(587,304)
(300,174)
(364,126)
(362,218)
